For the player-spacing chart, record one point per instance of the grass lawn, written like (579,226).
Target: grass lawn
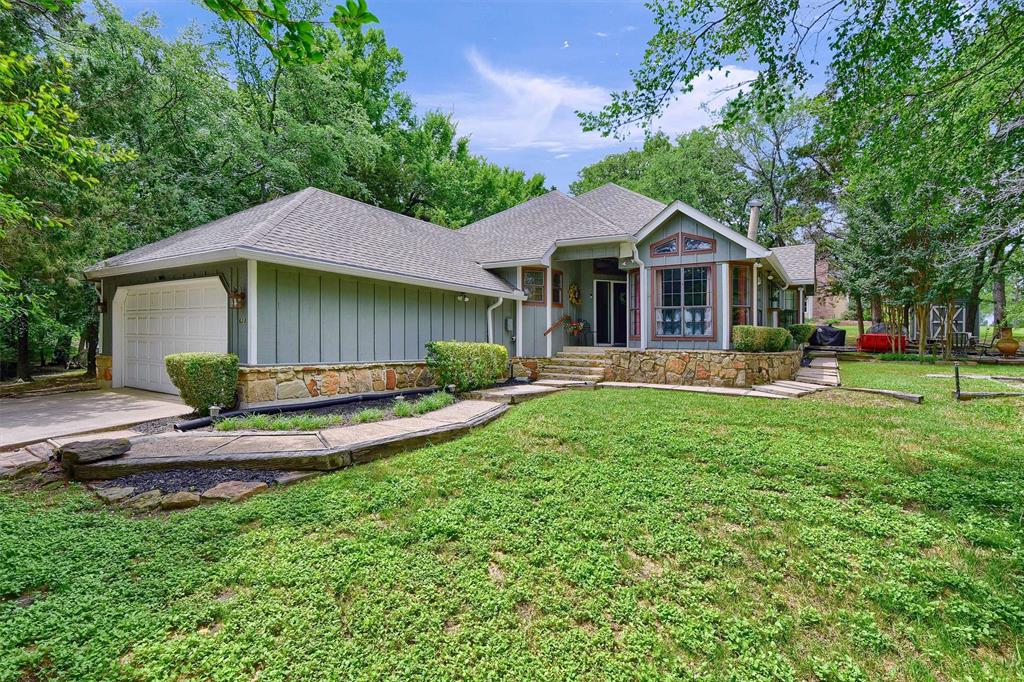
(587,535)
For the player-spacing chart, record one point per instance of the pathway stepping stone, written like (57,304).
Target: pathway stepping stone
(111,495)
(146,501)
(19,463)
(233,491)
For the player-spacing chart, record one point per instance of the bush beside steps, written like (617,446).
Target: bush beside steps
(467,366)
(750,339)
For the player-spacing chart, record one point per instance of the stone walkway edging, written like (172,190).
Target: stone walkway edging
(304,450)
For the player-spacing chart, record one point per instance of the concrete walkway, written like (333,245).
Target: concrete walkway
(298,450)
(38,418)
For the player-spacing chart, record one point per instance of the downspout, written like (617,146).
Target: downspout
(490,319)
(643,298)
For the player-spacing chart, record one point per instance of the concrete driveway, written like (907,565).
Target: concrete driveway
(33,419)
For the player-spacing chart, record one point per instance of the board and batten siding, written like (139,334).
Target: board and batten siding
(312,317)
(231,273)
(725,250)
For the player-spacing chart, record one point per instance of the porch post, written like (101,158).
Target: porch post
(800,314)
(250,312)
(645,307)
(756,303)
(519,314)
(723,298)
(547,306)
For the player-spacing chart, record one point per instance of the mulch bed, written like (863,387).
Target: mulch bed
(192,480)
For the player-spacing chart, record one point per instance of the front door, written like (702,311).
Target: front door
(609,313)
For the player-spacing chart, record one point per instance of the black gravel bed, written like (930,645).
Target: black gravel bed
(160,425)
(191,480)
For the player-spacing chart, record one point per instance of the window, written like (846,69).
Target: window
(533,285)
(741,295)
(694,244)
(665,247)
(788,312)
(683,303)
(634,304)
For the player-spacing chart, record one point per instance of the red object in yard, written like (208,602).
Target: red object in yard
(880,343)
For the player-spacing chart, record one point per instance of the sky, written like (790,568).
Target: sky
(513,72)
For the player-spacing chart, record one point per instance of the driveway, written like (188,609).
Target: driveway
(30,420)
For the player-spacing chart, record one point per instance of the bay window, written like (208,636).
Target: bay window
(684,302)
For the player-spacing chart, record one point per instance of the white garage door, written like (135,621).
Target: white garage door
(171,317)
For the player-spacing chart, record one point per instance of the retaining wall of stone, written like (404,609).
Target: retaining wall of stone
(104,365)
(701,368)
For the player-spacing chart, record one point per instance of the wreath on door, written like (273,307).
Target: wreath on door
(574,294)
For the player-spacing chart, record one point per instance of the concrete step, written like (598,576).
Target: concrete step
(582,349)
(559,368)
(780,390)
(571,377)
(581,362)
(581,356)
(817,380)
(799,384)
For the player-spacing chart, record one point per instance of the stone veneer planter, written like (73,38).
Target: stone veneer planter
(701,368)
(297,382)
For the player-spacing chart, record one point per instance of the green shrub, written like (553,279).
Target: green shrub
(466,365)
(751,339)
(907,357)
(402,408)
(204,379)
(368,414)
(801,333)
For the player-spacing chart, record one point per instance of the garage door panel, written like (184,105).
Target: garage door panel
(174,317)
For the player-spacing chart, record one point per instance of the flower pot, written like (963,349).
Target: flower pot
(1007,345)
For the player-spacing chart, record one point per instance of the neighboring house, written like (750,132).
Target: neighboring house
(313,278)
(826,305)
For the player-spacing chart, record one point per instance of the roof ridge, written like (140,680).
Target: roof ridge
(464,228)
(268,223)
(597,215)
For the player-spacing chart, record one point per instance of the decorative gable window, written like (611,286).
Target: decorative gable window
(696,244)
(684,304)
(533,285)
(666,247)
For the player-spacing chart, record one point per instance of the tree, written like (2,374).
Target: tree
(699,168)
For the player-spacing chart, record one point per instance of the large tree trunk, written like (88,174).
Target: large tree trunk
(91,336)
(876,309)
(922,326)
(974,295)
(21,330)
(858,304)
(998,295)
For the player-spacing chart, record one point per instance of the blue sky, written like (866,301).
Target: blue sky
(512,72)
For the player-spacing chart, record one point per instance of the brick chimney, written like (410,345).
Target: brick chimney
(755,218)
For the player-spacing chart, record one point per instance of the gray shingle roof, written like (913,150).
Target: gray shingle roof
(621,206)
(319,225)
(527,231)
(797,261)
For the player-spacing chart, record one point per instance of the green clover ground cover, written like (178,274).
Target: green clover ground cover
(587,535)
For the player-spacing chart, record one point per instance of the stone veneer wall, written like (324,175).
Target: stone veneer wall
(297,382)
(104,365)
(701,368)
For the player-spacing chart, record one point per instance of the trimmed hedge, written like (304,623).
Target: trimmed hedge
(466,365)
(751,339)
(204,379)
(801,333)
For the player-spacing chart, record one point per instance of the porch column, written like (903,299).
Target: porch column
(756,303)
(723,299)
(519,314)
(547,307)
(645,307)
(800,305)
(250,312)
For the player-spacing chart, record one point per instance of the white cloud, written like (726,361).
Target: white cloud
(628,29)
(601,34)
(565,44)
(562,156)
(523,110)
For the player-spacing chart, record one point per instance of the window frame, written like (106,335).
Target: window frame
(667,240)
(557,300)
(634,306)
(682,244)
(712,302)
(751,303)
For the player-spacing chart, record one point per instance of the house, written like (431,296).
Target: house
(322,294)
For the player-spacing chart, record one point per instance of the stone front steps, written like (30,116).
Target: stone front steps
(576,363)
(823,371)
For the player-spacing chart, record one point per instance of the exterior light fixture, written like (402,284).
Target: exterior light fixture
(236,300)
(101,306)
(462,298)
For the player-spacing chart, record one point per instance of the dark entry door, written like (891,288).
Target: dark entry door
(610,313)
(619,318)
